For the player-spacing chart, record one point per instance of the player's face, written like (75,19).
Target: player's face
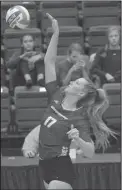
(76,87)
(28,43)
(113,38)
(74,56)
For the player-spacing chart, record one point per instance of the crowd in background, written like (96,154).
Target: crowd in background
(27,65)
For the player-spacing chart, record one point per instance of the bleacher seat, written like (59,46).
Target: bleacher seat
(68,35)
(98,36)
(30,106)
(12,39)
(100,13)
(5,110)
(65,12)
(31,7)
(113,113)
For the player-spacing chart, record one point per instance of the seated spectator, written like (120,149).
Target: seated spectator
(28,63)
(70,69)
(107,62)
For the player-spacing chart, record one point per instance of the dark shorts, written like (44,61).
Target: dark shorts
(59,168)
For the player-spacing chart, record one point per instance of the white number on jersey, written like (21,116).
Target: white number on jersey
(50,121)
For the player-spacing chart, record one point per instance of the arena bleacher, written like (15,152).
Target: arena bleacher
(84,22)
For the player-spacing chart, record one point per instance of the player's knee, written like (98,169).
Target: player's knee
(55,184)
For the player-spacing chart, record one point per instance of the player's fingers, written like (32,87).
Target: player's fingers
(72,126)
(31,154)
(79,151)
(71,131)
(73,135)
(49,16)
(28,155)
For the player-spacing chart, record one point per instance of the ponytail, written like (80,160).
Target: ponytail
(95,113)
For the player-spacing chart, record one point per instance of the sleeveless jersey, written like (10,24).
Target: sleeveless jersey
(53,138)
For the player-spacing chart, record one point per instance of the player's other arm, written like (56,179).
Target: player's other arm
(31,143)
(86,147)
(84,141)
(81,136)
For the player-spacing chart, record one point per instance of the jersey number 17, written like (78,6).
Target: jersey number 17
(50,121)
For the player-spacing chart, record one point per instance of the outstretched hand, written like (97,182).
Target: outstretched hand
(54,22)
(29,154)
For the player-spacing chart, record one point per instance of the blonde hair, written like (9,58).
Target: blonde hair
(95,113)
(96,103)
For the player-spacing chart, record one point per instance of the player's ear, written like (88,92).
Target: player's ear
(82,94)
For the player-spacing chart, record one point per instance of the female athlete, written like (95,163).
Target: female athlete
(73,112)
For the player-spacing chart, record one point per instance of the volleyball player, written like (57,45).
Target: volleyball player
(72,112)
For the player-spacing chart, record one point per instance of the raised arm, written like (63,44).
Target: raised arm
(51,54)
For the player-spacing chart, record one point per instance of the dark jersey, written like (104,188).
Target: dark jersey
(57,122)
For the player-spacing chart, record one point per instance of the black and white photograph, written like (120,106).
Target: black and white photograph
(60,95)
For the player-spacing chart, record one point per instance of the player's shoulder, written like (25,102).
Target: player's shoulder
(58,96)
(83,119)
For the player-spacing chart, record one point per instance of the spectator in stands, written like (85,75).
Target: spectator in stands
(70,69)
(28,63)
(107,62)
